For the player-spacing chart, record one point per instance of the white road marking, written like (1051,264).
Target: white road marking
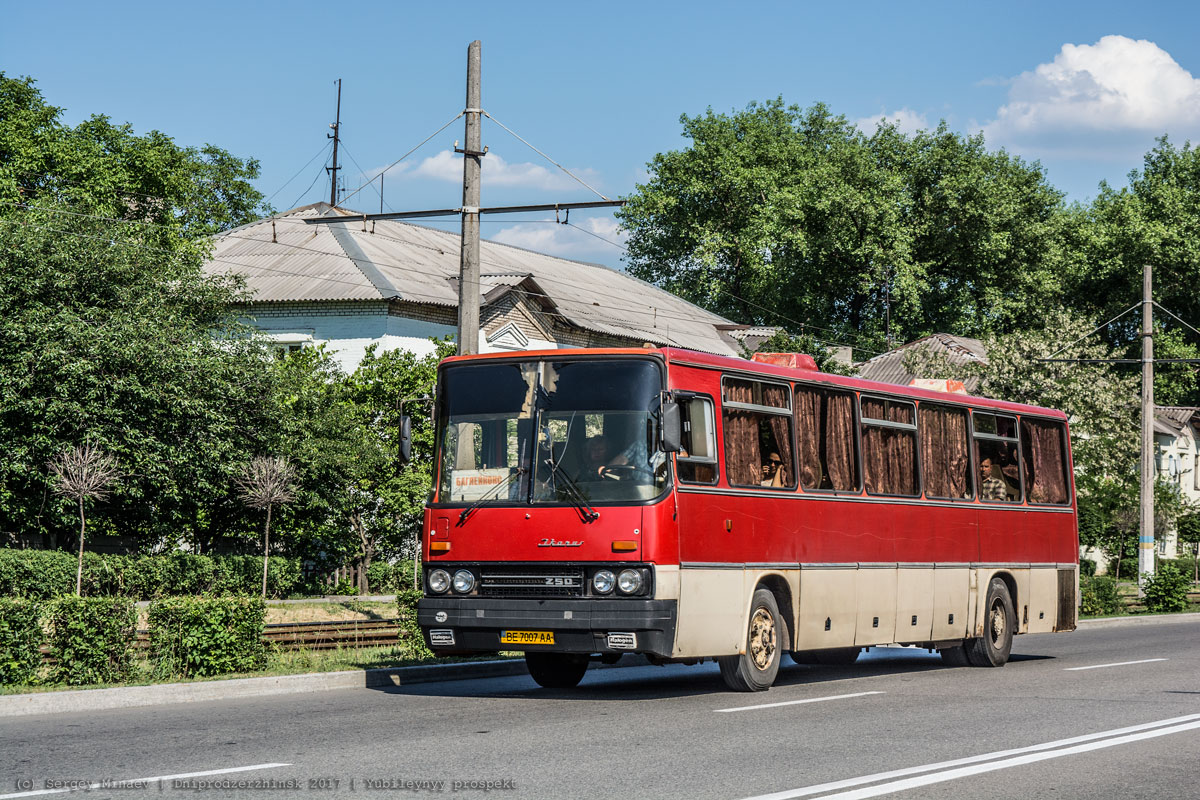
(793,702)
(948,769)
(133,782)
(1118,664)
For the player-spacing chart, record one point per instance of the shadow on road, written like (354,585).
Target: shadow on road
(678,680)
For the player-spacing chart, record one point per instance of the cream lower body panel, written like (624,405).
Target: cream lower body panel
(862,606)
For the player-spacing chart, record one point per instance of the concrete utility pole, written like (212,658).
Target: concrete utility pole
(1146,529)
(468,276)
(337,128)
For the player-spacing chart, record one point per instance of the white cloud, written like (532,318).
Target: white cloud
(907,120)
(447,166)
(1098,100)
(565,240)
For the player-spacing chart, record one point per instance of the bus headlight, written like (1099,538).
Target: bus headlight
(464,581)
(603,581)
(629,581)
(439,581)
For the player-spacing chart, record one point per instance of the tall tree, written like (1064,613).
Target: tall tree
(790,216)
(110,332)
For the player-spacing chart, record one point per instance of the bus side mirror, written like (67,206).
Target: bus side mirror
(405,454)
(672,428)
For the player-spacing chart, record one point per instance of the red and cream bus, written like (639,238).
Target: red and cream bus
(592,503)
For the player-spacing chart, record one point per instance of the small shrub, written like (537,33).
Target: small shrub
(92,639)
(1167,589)
(410,637)
(1098,596)
(1087,567)
(36,574)
(20,638)
(197,637)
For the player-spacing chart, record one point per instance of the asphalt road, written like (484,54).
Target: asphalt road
(1056,722)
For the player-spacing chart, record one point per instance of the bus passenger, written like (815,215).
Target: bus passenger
(773,473)
(991,487)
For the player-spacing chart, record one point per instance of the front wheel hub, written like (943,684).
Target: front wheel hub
(762,639)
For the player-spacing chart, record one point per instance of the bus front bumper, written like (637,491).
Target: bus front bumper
(478,624)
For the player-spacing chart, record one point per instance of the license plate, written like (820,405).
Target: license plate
(527,637)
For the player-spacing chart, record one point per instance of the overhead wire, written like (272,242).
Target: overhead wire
(320,152)
(406,155)
(543,155)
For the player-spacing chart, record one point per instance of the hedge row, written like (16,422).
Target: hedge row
(43,574)
(92,638)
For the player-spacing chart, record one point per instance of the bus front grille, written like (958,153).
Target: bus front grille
(527,581)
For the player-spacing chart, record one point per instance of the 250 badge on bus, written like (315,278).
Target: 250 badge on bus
(526,637)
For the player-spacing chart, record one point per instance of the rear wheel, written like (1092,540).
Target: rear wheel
(556,670)
(993,648)
(756,668)
(955,656)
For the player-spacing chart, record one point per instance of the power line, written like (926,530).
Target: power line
(406,155)
(543,155)
(306,166)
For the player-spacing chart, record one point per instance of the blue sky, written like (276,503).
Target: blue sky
(1083,87)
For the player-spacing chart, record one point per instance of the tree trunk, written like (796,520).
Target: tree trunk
(79,569)
(266,550)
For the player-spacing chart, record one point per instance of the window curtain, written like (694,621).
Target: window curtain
(944,452)
(743,459)
(781,428)
(808,435)
(889,454)
(1045,470)
(840,459)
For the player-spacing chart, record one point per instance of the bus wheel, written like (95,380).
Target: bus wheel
(755,670)
(992,649)
(955,656)
(556,670)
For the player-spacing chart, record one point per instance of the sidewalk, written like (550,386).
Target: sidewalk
(80,700)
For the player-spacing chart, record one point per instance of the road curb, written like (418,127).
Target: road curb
(82,700)
(1140,619)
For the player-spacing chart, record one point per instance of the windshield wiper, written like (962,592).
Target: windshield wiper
(574,495)
(490,495)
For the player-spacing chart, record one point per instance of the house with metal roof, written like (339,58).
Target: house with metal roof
(352,284)
(958,350)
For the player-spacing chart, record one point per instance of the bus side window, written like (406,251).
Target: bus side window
(889,443)
(945,452)
(697,463)
(825,427)
(1044,449)
(756,418)
(996,457)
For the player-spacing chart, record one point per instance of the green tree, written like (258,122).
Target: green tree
(781,214)
(109,330)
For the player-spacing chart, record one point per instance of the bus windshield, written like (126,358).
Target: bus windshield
(550,432)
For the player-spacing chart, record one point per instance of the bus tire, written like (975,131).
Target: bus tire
(993,648)
(756,668)
(955,656)
(556,670)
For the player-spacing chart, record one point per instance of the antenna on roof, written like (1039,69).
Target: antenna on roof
(337,127)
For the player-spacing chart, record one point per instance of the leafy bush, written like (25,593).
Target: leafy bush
(1087,567)
(1129,568)
(1098,596)
(1167,589)
(20,638)
(92,639)
(44,574)
(388,578)
(410,637)
(196,637)
(1185,565)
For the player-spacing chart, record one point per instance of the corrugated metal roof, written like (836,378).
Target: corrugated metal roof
(1173,420)
(959,350)
(284,259)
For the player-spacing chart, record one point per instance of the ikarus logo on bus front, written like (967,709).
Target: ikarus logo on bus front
(557,543)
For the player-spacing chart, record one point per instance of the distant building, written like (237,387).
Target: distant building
(958,350)
(1177,459)
(353,284)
